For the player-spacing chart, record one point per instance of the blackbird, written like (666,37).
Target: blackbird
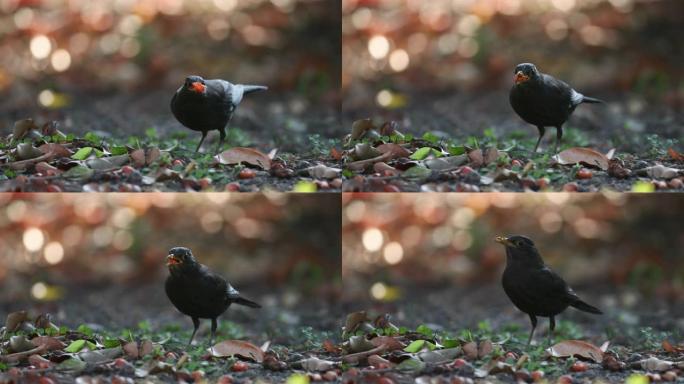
(205,105)
(543,100)
(533,287)
(198,292)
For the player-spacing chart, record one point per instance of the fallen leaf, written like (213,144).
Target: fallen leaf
(22,127)
(616,169)
(659,171)
(440,356)
(656,364)
(153,154)
(244,155)
(58,150)
(675,155)
(82,153)
(476,158)
(377,361)
(485,348)
(146,347)
(569,348)
(39,362)
(27,151)
(138,157)
(360,127)
(491,155)
(470,350)
(353,321)
(15,319)
(322,171)
(50,343)
(229,348)
(390,343)
(106,163)
(364,151)
(584,156)
(446,163)
(20,343)
(316,364)
(395,150)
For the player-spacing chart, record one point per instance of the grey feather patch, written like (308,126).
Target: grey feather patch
(232,292)
(576,97)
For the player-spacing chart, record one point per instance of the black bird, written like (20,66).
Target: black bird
(543,100)
(533,287)
(206,105)
(198,292)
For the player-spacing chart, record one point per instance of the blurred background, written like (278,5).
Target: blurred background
(447,65)
(433,258)
(113,66)
(101,258)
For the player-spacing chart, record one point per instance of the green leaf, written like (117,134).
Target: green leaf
(413,365)
(456,150)
(425,330)
(82,153)
(415,346)
(298,378)
(111,343)
(431,137)
(118,150)
(98,153)
(421,153)
(151,133)
(450,343)
(92,137)
(3,367)
(417,172)
(84,329)
(643,187)
(75,346)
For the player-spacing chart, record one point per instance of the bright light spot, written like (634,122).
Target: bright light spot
(53,253)
(593,35)
(247,228)
(130,47)
(587,228)
(23,18)
(40,47)
(441,236)
(123,217)
(384,98)
(399,60)
(378,46)
(218,29)
(33,239)
(468,47)
(102,236)
(225,5)
(39,290)
(411,236)
(46,97)
(16,211)
(78,43)
(211,222)
(462,240)
(563,5)
(61,60)
(551,221)
(393,253)
(130,24)
(110,43)
(557,29)
(72,235)
(468,25)
(355,211)
(463,217)
(122,240)
(372,239)
(361,18)
(447,44)
(378,291)
(255,35)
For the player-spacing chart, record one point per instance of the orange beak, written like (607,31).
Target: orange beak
(520,77)
(171,260)
(197,87)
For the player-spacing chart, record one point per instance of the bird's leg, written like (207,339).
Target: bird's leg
(204,135)
(552,326)
(213,330)
(533,319)
(222,137)
(196,322)
(559,136)
(542,131)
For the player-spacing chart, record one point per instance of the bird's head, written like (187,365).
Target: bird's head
(525,72)
(180,258)
(195,84)
(520,249)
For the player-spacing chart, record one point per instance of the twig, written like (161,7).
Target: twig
(15,357)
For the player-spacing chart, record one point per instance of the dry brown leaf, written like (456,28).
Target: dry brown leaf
(584,156)
(491,156)
(50,343)
(244,155)
(656,364)
(14,320)
(470,350)
(390,343)
(153,154)
(138,157)
(58,150)
(485,348)
(353,321)
(360,127)
(229,348)
(146,347)
(580,348)
(675,155)
(476,158)
(395,150)
(22,127)
(131,349)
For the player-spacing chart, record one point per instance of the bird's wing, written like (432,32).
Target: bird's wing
(560,91)
(232,292)
(233,92)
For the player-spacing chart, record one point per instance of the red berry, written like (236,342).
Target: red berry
(239,366)
(537,375)
(204,182)
(177,163)
(197,375)
(584,174)
(579,367)
(516,163)
(511,355)
(246,174)
(225,379)
(127,170)
(565,379)
(543,182)
(458,363)
(233,187)
(465,171)
(570,187)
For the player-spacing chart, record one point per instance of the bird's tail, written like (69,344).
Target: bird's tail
(253,88)
(249,303)
(582,306)
(591,100)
